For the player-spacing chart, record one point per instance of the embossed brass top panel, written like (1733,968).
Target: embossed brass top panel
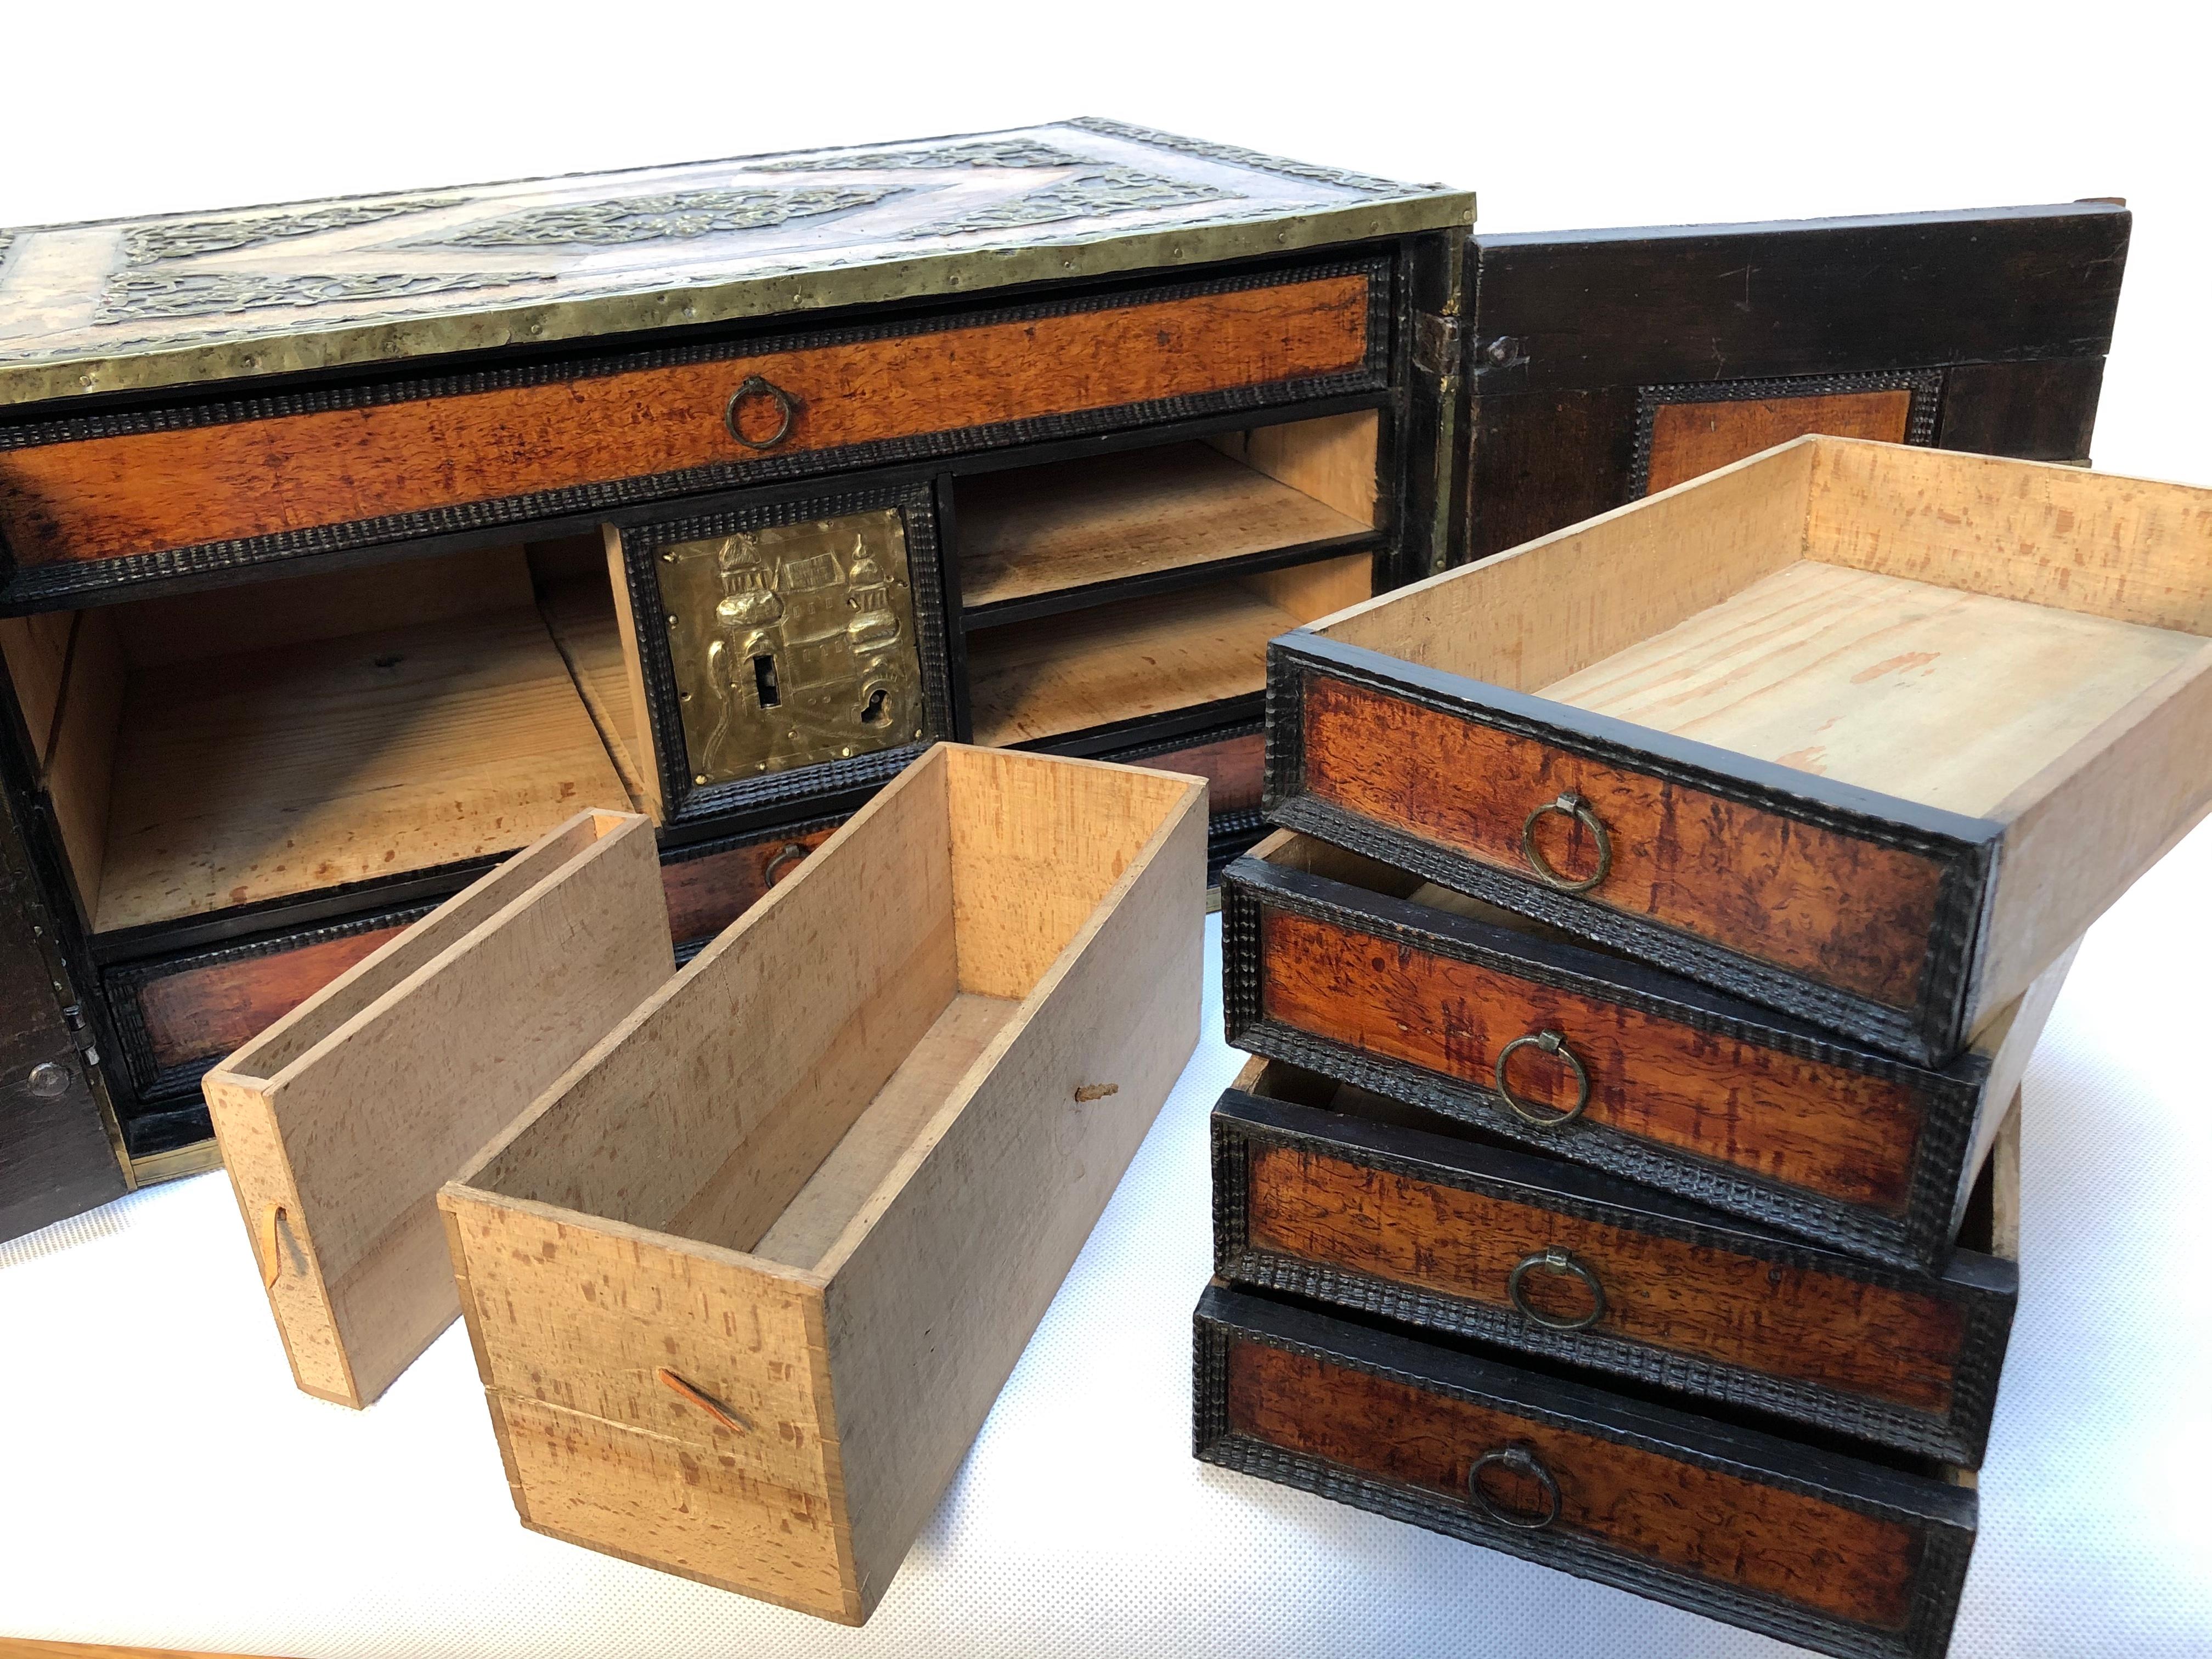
(201,297)
(792,644)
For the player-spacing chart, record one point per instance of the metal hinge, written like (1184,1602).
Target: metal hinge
(1435,346)
(81,1034)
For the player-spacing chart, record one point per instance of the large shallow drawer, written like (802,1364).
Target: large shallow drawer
(1318,1193)
(743,1288)
(1331,963)
(1867,734)
(212,485)
(1828,1551)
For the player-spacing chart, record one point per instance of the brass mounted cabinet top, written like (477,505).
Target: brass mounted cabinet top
(247,292)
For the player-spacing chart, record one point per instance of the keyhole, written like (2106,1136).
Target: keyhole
(765,682)
(874,711)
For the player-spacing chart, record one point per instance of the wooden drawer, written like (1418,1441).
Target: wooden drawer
(1980,706)
(339,1121)
(175,1016)
(743,1289)
(218,484)
(1828,1551)
(1353,970)
(1324,1191)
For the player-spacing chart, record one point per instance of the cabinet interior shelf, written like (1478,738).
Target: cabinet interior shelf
(1039,540)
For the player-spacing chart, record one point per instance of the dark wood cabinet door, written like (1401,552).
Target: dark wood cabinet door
(58,1154)
(1608,364)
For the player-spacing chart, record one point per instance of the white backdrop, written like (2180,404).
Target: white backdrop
(162,1483)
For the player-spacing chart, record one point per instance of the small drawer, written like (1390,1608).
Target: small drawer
(313,472)
(1829,1550)
(1323,1191)
(1867,734)
(1355,970)
(710,886)
(742,1290)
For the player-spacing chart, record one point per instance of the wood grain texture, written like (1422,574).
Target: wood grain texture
(989,933)
(2037,411)
(1837,908)
(1791,1322)
(1542,460)
(213,1009)
(1072,524)
(707,894)
(268,773)
(1844,1134)
(1688,439)
(1690,1518)
(1334,459)
(97,498)
(35,650)
(346,1116)
(1233,767)
(1689,303)
(1121,662)
(1939,695)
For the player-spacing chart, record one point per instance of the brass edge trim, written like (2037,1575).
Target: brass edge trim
(176,1164)
(964,271)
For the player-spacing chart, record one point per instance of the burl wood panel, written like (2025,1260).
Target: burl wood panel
(99,498)
(1234,770)
(1837,909)
(706,894)
(211,1010)
(1779,1320)
(1690,440)
(1821,1127)
(1692,1519)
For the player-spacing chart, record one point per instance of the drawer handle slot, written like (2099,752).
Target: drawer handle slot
(272,1265)
(1574,806)
(792,853)
(1518,1460)
(1555,1261)
(683,1391)
(754,386)
(1528,1111)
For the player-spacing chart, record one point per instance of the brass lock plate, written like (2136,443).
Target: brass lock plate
(792,644)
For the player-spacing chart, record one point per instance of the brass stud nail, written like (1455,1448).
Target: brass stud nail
(698,777)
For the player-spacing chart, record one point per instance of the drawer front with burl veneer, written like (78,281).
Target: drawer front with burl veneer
(208,486)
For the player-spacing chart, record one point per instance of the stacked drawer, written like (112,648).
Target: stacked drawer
(1642,984)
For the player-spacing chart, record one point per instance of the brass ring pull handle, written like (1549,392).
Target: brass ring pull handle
(272,1255)
(683,1391)
(1575,807)
(1555,1261)
(1521,1460)
(792,853)
(754,387)
(1528,1111)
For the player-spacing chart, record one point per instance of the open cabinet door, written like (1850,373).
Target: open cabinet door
(59,1152)
(1606,364)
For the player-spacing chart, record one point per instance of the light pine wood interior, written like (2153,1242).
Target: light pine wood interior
(339,1123)
(1072,524)
(1147,656)
(211,750)
(1944,696)
(771,1095)
(2029,644)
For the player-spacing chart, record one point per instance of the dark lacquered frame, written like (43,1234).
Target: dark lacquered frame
(1952,1100)
(1926,385)
(1929,1032)
(1983,1288)
(1945,1517)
